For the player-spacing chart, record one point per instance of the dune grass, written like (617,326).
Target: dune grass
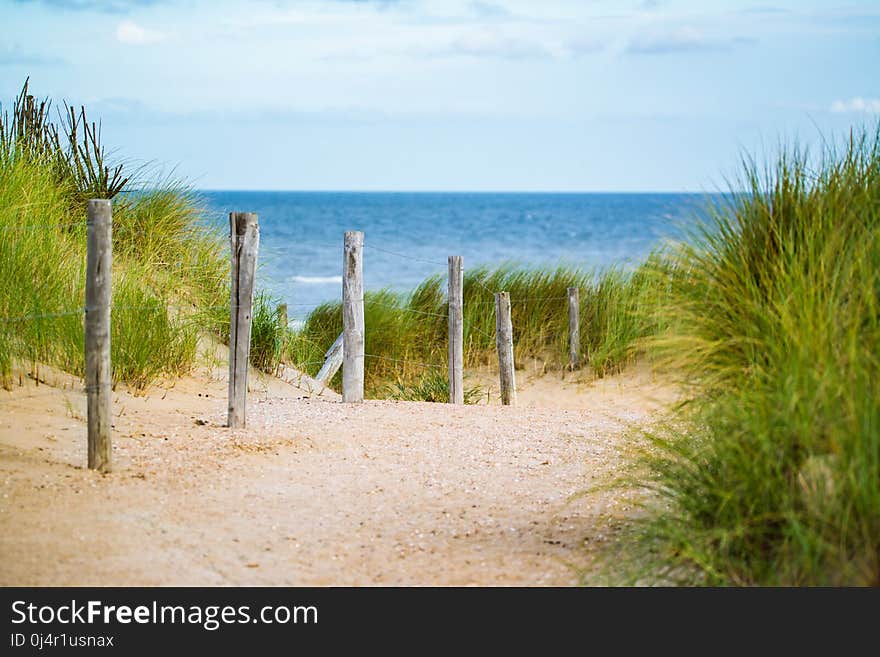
(406,338)
(432,386)
(773,318)
(169,272)
(268,336)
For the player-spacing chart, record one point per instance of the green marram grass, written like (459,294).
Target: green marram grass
(773,319)
(407,335)
(268,336)
(432,386)
(169,276)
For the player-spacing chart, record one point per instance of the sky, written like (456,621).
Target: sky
(494,95)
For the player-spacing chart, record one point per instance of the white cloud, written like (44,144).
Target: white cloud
(857,104)
(481,44)
(469,45)
(15,55)
(584,45)
(133,34)
(682,40)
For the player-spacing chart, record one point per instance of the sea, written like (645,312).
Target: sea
(408,236)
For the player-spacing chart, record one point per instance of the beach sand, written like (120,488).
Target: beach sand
(316,492)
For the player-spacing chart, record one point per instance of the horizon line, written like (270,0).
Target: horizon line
(454,191)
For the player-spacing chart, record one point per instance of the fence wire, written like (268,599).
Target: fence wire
(156,306)
(401,360)
(404,256)
(42,226)
(406,310)
(23,318)
(308,362)
(469,325)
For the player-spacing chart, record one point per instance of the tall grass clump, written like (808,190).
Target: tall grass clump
(433,386)
(168,274)
(614,313)
(268,336)
(406,337)
(774,318)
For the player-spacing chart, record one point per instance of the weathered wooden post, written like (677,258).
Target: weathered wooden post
(504,345)
(332,361)
(456,331)
(244,236)
(574,327)
(353,317)
(282,315)
(99,262)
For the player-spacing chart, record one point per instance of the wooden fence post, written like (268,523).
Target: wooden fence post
(456,331)
(244,235)
(99,262)
(574,327)
(282,315)
(353,317)
(504,344)
(332,361)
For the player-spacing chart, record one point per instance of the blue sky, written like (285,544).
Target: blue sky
(451,94)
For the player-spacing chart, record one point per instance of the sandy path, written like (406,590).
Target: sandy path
(315,492)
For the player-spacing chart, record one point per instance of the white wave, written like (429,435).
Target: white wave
(316,280)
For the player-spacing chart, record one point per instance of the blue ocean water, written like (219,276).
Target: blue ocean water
(301,233)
